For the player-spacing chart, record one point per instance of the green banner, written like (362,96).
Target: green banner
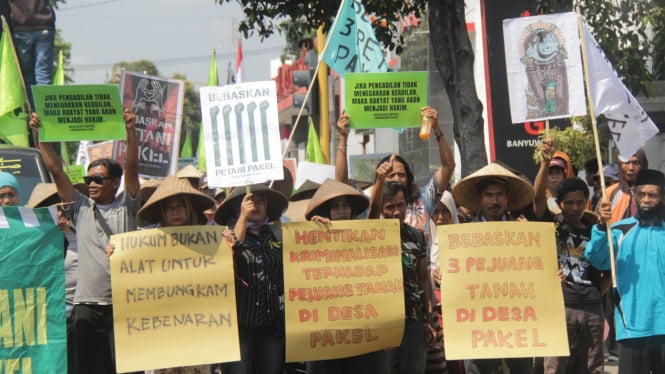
(33,335)
(394,100)
(75,173)
(79,112)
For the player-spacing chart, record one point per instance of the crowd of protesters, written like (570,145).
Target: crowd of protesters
(113,200)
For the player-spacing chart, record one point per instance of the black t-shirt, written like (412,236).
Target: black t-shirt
(582,283)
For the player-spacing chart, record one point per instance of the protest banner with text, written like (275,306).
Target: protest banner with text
(502,295)
(79,112)
(157,103)
(32,292)
(241,127)
(343,288)
(374,100)
(173,296)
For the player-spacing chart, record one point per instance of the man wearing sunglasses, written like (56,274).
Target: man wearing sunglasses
(96,218)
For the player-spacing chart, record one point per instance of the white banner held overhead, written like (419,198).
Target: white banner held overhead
(241,128)
(544,67)
(628,122)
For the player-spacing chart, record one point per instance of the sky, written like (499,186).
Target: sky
(177,35)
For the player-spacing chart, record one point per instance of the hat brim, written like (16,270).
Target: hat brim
(228,211)
(331,189)
(151,212)
(466,194)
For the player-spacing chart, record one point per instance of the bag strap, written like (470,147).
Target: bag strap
(102,222)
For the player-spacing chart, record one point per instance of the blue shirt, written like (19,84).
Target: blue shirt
(640,273)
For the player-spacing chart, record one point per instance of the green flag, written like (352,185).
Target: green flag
(213,80)
(12,93)
(59,75)
(186,149)
(314,152)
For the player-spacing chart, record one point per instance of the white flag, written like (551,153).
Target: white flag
(628,122)
(82,153)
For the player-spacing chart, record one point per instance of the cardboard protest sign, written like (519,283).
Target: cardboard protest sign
(100,150)
(33,336)
(79,112)
(241,127)
(343,288)
(157,103)
(173,285)
(374,100)
(544,67)
(502,297)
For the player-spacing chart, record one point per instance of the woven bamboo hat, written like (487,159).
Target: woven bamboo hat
(174,186)
(331,189)
(466,192)
(305,191)
(46,194)
(285,186)
(190,172)
(148,187)
(276,203)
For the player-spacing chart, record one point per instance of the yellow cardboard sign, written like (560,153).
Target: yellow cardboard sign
(343,288)
(501,296)
(173,298)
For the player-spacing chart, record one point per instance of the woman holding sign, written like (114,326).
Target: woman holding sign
(257,258)
(335,201)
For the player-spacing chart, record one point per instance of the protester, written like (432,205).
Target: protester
(493,191)
(444,214)
(556,170)
(639,255)
(420,202)
(590,170)
(257,256)
(9,189)
(97,218)
(33,29)
(335,201)
(581,283)
(622,204)
(419,334)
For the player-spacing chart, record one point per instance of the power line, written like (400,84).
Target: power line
(183,60)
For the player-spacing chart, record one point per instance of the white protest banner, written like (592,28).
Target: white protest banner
(544,67)
(241,127)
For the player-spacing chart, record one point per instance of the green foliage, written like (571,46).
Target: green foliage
(146,67)
(261,16)
(576,141)
(191,119)
(656,18)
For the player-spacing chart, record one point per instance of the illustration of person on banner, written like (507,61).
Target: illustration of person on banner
(581,282)
(334,201)
(96,218)
(494,191)
(158,104)
(639,254)
(250,211)
(544,67)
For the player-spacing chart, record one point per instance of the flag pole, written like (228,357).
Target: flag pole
(311,84)
(594,127)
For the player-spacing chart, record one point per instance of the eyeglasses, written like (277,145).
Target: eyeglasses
(97,178)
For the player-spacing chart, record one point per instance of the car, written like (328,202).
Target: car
(26,165)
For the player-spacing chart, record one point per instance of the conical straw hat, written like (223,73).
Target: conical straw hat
(46,194)
(305,191)
(228,211)
(331,189)
(148,187)
(520,192)
(173,186)
(190,172)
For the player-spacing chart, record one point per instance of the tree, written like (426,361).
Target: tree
(450,45)
(146,67)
